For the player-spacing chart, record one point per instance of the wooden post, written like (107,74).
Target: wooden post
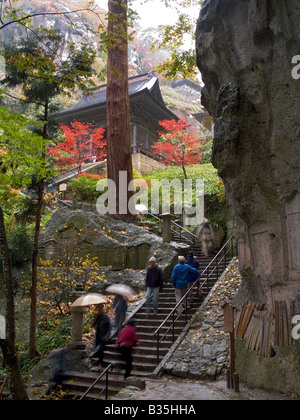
(233,378)
(232,358)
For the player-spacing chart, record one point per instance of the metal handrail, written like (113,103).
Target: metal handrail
(105,389)
(217,260)
(206,270)
(154,216)
(176,225)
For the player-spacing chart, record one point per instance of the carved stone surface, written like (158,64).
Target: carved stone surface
(245,50)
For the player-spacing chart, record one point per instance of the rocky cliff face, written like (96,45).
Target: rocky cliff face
(245,50)
(76,27)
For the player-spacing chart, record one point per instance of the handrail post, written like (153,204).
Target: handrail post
(157,347)
(173,328)
(106,383)
(106,371)
(207,277)
(186,309)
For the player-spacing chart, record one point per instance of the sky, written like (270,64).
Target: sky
(154,13)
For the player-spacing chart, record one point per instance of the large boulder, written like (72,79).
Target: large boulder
(245,50)
(117,245)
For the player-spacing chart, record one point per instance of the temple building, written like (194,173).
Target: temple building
(147,108)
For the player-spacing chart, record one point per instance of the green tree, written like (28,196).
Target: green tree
(8,345)
(36,64)
(20,157)
(181,62)
(12,14)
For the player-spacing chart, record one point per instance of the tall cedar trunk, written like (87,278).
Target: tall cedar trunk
(119,151)
(34,282)
(8,345)
(33,353)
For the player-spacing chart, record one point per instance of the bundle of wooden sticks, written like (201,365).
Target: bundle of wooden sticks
(262,329)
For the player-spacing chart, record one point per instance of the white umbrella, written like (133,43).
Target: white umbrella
(120,289)
(89,299)
(141,209)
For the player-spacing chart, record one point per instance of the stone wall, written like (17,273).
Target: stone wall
(144,164)
(245,50)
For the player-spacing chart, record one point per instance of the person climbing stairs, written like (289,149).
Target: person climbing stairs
(146,357)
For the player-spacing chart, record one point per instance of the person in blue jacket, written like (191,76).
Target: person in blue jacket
(180,278)
(192,262)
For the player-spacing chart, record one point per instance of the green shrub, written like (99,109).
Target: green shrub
(85,188)
(21,244)
(213,185)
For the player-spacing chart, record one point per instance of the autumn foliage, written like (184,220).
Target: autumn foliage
(83,142)
(178,145)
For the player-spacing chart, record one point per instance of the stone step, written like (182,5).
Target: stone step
(138,365)
(150,329)
(143,354)
(148,344)
(156,321)
(77,384)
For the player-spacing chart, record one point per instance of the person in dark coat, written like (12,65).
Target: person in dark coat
(154,282)
(103,328)
(127,340)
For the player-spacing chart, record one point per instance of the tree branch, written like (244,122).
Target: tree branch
(22,19)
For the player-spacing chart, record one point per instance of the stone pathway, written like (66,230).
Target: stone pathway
(166,390)
(203,354)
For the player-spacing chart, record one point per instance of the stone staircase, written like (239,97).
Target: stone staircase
(145,355)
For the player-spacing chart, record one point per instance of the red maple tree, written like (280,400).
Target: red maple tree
(178,144)
(83,143)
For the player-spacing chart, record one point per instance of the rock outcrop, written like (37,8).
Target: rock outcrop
(115,244)
(245,50)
